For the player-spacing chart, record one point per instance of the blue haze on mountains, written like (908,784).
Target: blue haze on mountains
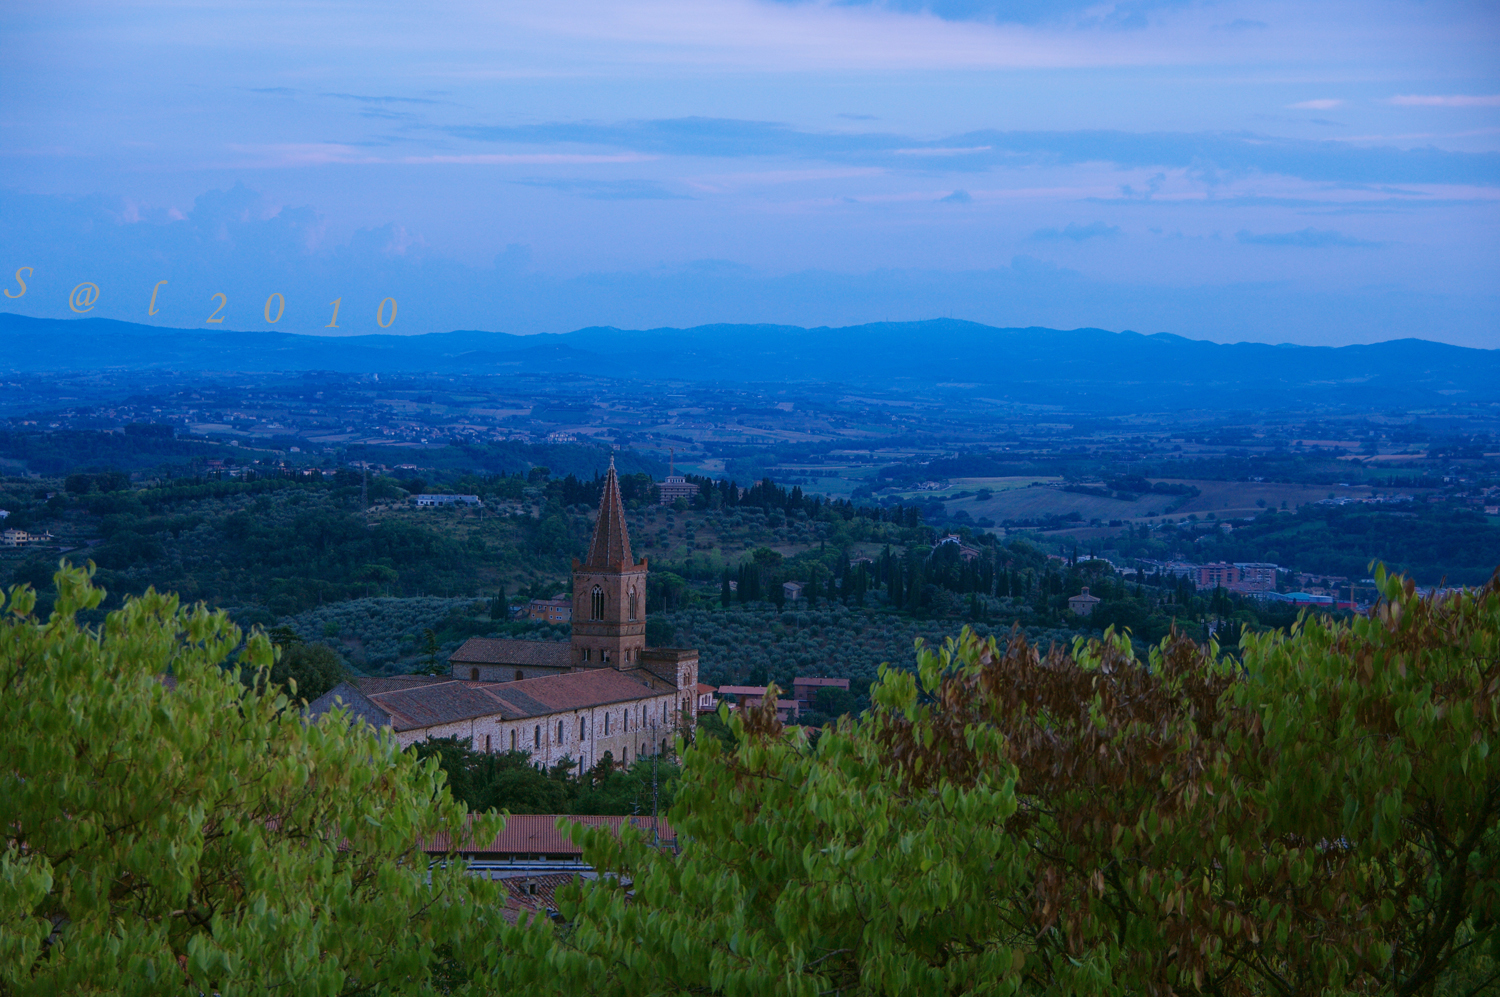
(1085,370)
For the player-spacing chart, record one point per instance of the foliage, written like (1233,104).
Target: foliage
(170,830)
(510,781)
(314,668)
(1325,819)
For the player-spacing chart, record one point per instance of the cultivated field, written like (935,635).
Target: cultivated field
(1032,498)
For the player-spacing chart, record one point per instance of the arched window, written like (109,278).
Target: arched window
(473,675)
(513,740)
(632,602)
(487,747)
(606,725)
(597,609)
(538,735)
(559,732)
(520,675)
(583,733)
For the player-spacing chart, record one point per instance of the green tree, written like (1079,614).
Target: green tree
(170,830)
(314,668)
(1324,819)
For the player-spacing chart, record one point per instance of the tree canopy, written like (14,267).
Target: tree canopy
(169,829)
(1320,819)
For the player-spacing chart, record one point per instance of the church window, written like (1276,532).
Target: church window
(538,735)
(473,675)
(606,725)
(487,747)
(520,675)
(513,740)
(559,732)
(632,602)
(597,609)
(583,734)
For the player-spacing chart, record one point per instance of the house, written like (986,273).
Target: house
(707,702)
(426,501)
(805,690)
(675,487)
(601,691)
(20,538)
(965,552)
(549,610)
(532,846)
(747,696)
(1083,604)
(791,590)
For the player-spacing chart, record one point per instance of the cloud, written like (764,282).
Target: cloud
(942,151)
(1321,104)
(957,197)
(610,190)
(236,243)
(1446,100)
(1222,153)
(1308,238)
(1076,232)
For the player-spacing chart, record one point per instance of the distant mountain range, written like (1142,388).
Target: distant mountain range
(1088,369)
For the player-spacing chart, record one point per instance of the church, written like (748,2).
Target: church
(602,691)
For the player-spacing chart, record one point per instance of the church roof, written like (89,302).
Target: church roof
(447,701)
(509,651)
(611,544)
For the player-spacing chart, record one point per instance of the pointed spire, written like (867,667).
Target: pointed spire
(611,540)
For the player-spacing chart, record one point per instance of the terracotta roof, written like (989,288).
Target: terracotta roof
(349,696)
(572,691)
(611,544)
(443,703)
(822,683)
(704,687)
(448,700)
(504,651)
(519,895)
(742,690)
(538,834)
(669,653)
(371,684)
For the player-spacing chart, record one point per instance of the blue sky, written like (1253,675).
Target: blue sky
(1314,172)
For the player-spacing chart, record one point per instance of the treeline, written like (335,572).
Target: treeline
(1430,543)
(510,781)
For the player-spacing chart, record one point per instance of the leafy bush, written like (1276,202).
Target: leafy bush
(1325,819)
(170,830)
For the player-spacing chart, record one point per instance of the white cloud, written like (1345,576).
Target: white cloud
(1321,104)
(1447,100)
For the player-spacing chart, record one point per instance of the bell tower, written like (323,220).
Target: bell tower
(609,591)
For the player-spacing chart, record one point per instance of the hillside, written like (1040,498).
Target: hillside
(1090,369)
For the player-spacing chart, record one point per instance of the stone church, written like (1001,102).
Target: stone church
(601,691)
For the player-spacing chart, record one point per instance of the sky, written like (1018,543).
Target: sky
(1242,170)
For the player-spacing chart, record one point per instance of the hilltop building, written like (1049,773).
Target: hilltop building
(601,691)
(1083,604)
